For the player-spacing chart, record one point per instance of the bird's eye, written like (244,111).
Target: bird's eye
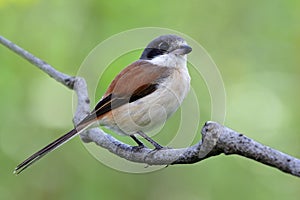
(163,46)
(150,53)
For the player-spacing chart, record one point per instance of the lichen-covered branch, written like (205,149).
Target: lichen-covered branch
(230,142)
(216,138)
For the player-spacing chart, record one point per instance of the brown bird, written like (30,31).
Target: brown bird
(141,97)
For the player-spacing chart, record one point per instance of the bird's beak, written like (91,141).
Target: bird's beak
(182,50)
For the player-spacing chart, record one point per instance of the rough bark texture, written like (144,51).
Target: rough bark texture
(216,138)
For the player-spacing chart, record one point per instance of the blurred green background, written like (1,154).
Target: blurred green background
(255,44)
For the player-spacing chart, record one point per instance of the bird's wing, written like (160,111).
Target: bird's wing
(134,82)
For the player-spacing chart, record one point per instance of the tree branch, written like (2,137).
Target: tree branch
(216,139)
(48,69)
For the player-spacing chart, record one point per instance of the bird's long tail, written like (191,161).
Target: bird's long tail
(50,147)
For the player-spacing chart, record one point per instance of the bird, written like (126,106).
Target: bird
(140,98)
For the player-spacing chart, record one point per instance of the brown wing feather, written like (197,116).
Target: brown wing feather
(134,76)
(134,82)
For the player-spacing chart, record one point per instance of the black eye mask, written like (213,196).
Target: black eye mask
(150,53)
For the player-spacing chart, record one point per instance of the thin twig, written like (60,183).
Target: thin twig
(58,76)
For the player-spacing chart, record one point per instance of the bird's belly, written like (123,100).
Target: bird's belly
(151,111)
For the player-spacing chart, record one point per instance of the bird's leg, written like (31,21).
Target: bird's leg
(140,144)
(155,144)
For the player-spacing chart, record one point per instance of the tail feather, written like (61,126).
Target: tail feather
(50,147)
